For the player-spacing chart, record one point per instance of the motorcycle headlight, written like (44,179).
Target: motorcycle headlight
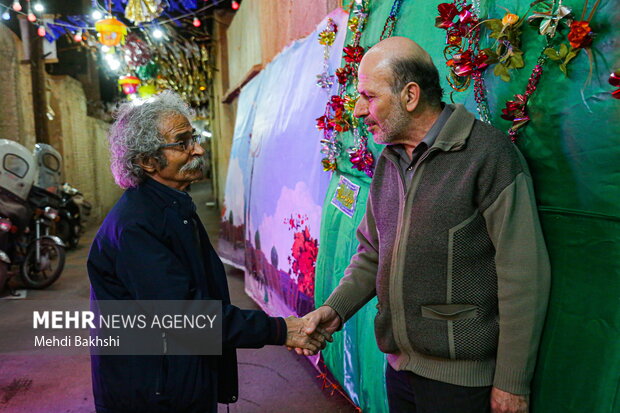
(50,213)
(5,225)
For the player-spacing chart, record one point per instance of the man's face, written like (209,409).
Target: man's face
(381,109)
(184,165)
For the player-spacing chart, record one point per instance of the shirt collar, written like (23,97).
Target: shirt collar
(431,135)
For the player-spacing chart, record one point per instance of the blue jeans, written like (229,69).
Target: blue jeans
(410,393)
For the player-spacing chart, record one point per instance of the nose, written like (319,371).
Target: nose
(197,149)
(361,108)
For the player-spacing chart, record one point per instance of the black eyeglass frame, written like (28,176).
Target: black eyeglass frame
(185,145)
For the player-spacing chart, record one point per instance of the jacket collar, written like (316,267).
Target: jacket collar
(455,132)
(164,196)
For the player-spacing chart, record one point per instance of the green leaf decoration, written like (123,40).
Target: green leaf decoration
(571,55)
(563,50)
(552,54)
(563,69)
(516,61)
(495,25)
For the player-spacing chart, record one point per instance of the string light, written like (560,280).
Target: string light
(38,7)
(31,17)
(158,34)
(41,31)
(78,36)
(6,15)
(97,15)
(196,22)
(17,6)
(235,5)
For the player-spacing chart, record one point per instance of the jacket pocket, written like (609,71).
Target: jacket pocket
(449,311)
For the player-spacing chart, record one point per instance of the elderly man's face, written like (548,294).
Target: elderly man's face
(381,109)
(184,165)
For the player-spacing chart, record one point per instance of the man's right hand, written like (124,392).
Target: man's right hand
(323,318)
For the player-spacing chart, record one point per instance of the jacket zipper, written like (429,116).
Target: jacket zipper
(400,335)
(159,385)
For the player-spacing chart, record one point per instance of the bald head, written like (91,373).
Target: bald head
(404,61)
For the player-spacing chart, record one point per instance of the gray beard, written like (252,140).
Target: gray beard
(196,164)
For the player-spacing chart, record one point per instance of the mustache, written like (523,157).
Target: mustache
(197,164)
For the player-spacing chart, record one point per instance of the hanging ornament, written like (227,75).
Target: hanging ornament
(137,52)
(147,90)
(326,38)
(129,84)
(111,31)
(147,71)
(143,11)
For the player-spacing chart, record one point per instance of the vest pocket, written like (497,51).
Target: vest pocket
(449,311)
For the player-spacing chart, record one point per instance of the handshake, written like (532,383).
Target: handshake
(310,334)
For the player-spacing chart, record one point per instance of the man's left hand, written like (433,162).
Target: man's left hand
(504,402)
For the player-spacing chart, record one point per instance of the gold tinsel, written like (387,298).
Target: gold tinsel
(143,11)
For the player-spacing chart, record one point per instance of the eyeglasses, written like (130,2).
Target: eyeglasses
(185,144)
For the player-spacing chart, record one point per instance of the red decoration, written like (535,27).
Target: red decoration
(353,54)
(235,5)
(580,34)
(41,31)
(196,22)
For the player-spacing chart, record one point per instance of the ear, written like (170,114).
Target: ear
(411,96)
(148,164)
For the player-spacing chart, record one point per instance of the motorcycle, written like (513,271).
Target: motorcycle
(26,215)
(74,210)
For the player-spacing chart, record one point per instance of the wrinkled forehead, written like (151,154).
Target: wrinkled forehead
(170,123)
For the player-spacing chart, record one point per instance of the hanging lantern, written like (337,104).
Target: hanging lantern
(129,84)
(111,31)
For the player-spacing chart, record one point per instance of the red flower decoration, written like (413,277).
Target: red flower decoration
(463,64)
(343,73)
(580,34)
(447,13)
(362,160)
(353,54)
(515,109)
(614,80)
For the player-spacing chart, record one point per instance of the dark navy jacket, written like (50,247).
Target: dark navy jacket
(152,246)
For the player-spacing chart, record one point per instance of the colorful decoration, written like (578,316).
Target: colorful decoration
(111,31)
(506,55)
(137,52)
(147,71)
(334,120)
(579,37)
(516,109)
(614,80)
(143,11)
(324,80)
(147,90)
(462,53)
(129,84)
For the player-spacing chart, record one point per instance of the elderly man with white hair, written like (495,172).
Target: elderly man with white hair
(153,246)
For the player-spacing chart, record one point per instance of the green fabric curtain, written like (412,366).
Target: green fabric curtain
(572,147)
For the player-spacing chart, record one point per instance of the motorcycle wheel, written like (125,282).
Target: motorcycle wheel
(38,275)
(68,233)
